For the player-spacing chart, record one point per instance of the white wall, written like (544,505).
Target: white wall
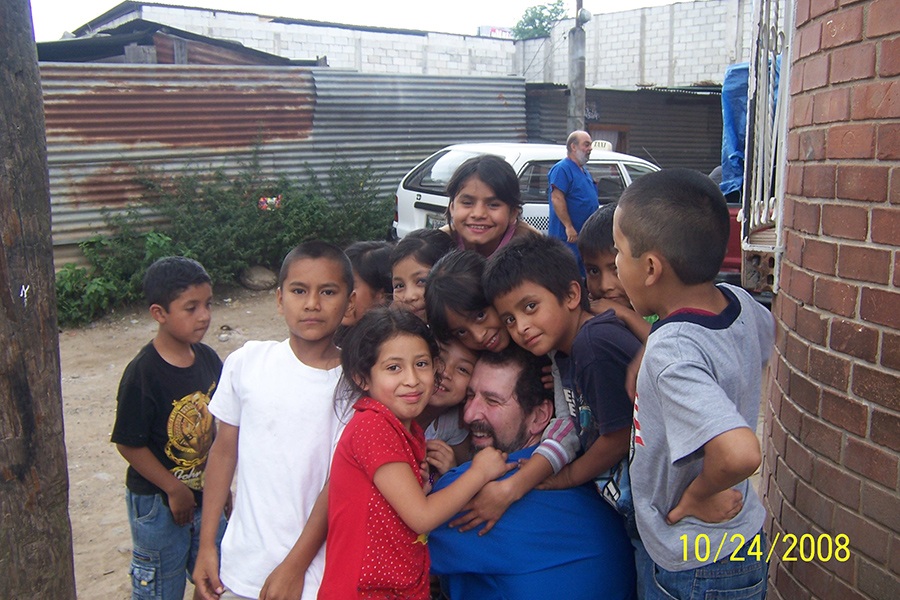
(347,48)
(676,45)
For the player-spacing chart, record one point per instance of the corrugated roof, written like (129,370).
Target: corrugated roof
(199,49)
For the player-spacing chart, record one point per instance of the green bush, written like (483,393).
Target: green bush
(218,221)
(117,265)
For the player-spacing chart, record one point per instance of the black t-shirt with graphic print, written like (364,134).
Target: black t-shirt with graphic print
(166,409)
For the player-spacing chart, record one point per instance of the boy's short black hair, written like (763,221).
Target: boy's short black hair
(530,390)
(371,261)
(426,246)
(596,233)
(681,214)
(454,283)
(169,277)
(542,260)
(318,249)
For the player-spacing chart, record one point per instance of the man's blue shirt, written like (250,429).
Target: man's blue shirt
(580,191)
(550,544)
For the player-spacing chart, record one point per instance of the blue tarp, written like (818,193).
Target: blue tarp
(734,126)
(734,123)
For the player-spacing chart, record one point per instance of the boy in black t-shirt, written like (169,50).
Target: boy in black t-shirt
(164,428)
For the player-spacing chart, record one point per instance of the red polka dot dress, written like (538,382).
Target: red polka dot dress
(371,552)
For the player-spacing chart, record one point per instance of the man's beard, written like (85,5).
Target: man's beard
(508,446)
(581,157)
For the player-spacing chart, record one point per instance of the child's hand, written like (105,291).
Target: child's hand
(547,376)
(492,463)
(182,504)
(558,481)
(427,477)
(283,583)
(439,455)
(206,574)
(601,305)
(485,508)
(717,508)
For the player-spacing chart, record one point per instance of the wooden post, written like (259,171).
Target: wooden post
(35,537)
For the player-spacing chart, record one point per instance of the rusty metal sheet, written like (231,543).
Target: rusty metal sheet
(108,124)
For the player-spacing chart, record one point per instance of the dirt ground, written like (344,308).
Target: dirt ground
(93,359)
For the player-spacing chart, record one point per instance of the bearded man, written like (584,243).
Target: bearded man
(549,544)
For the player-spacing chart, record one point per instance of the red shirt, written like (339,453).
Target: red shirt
(370,551)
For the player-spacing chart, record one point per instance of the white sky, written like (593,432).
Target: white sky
(53,17)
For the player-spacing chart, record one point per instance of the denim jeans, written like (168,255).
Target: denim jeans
(163,553)
(726,579)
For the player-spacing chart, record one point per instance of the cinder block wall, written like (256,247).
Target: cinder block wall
(832,433)
(347,48)
(675,45)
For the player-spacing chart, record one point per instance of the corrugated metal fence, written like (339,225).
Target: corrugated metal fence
(672,129)
(106,123)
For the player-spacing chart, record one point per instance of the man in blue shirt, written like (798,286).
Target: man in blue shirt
(549,544)
(572,193)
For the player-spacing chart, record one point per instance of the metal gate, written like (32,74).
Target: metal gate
(767,108)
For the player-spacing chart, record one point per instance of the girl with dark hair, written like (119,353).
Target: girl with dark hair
(411,260)
(379,509)
(371,277)
(485,205)
(456,306)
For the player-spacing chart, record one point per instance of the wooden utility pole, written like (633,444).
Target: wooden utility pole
(35,534)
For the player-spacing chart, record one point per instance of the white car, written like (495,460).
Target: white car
(422,200)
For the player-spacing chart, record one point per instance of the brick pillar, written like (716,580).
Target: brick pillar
(832,415)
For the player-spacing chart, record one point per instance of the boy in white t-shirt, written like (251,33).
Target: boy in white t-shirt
(278,424)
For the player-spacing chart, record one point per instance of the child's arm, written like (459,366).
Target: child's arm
(494,498)
(287,580)
(635,322)
(422,513)
(180,496)
(728,459)
(216,489)
(603,455)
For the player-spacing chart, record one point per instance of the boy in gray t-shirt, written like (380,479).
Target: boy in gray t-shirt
(698,392)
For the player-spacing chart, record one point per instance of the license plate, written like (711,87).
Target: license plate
(434,221)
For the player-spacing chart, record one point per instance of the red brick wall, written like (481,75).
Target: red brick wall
(832,415)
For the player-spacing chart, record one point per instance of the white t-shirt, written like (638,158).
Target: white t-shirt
(447,428)
(289,428)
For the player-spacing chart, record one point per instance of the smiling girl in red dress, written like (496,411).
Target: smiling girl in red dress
(378,509)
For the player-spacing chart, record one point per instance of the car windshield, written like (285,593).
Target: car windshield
(434,175)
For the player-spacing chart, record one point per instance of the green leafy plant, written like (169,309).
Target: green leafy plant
(220,222)
(117,265)
(537,21)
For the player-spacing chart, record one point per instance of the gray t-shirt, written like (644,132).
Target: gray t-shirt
(701,376)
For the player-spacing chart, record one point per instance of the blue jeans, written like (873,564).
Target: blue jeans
(726,579)
(163,552)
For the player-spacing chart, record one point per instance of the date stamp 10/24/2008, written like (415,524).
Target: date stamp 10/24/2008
(805,548)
